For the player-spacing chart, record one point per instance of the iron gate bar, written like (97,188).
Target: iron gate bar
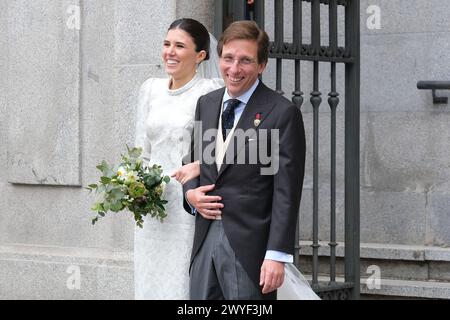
(333,101)
(238,10)
(218,14)
(308,52)
(339,2)
(259,13)
(297,39)
(279,41)
(316,100)
(352,124)
(297,94)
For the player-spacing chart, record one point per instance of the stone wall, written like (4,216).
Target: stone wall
(67,101)
(405,166)
(404,138)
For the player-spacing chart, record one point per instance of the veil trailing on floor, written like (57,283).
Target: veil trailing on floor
(295,286)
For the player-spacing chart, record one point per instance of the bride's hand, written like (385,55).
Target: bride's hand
(187,172)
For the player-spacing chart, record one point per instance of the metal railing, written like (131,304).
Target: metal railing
(433,86)
(318,54)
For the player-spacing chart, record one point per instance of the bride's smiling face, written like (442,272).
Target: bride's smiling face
(179,54)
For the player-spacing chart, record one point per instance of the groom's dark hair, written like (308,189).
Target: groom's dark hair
(196,30)
(246,30)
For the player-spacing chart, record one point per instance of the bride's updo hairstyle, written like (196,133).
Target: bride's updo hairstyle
(196,30)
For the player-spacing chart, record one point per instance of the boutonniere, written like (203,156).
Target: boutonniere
(257,120)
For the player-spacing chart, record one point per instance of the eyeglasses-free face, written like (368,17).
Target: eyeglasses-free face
(239,66)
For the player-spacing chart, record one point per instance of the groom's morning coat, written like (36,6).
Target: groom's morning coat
(260,211)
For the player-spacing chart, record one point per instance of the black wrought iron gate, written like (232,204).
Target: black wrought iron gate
(227,11)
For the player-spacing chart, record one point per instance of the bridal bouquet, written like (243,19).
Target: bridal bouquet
(132,186)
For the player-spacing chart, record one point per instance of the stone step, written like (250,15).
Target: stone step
(50,272)
(391,261)
(384,251)
(403,289)
(389,271)
(407,289)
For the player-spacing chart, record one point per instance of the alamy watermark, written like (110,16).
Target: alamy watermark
(73,282)
(374,20)
(373,282)
(74,17)
(255,147)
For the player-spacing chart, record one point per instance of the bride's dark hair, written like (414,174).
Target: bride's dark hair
(196,30)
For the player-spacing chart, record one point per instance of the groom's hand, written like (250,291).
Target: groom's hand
(272,275)
(207,206)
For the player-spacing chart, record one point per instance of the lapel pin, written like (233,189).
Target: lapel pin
(257,120)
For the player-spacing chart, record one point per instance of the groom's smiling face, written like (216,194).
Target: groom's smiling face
(239,65)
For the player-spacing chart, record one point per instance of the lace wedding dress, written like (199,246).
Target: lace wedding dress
(165,119)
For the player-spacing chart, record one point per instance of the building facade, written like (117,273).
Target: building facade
(71,71)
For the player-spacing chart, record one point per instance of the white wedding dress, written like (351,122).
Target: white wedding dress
(165,119)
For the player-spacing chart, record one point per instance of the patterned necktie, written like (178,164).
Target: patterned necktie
(228,117)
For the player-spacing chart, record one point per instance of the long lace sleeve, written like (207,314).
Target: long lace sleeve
(143,107)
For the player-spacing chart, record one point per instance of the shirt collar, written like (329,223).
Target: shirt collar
(243,97)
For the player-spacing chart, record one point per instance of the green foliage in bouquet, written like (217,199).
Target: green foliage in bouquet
(131,186)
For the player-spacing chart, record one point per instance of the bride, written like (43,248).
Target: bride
(165,119)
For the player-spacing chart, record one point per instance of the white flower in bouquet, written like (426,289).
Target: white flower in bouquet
(121,173)
(131,176)
(131,186)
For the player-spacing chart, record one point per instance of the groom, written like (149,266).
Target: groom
(246,211)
